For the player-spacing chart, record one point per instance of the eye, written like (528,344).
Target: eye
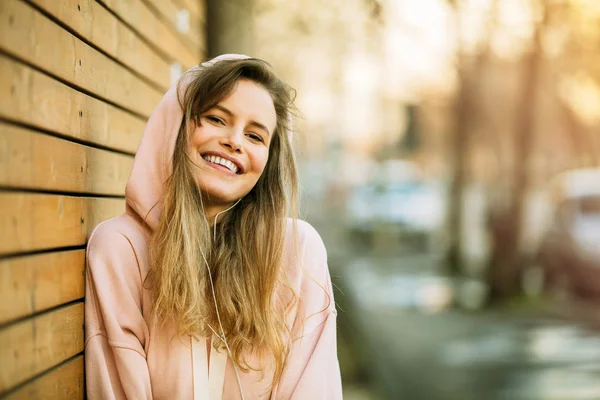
(215,120)
(256,137)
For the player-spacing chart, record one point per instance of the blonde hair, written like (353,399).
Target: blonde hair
(245,257)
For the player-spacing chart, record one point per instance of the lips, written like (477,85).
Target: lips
(222,161)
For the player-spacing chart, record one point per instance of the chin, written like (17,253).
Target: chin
(216,194)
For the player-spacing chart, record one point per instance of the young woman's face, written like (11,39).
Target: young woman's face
(230,146)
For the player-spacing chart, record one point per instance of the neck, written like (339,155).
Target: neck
(218,211)
(212,211)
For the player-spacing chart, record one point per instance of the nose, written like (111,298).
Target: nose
(233,140)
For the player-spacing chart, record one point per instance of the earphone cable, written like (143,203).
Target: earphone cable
(223,338)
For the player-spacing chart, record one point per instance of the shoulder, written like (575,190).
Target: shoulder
(108,235)
(308,275)
(307,237)
(306,255)
(114,302)
(116,245)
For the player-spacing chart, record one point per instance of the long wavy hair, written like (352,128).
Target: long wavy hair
(245,257)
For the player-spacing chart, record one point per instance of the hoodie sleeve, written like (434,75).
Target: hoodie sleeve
(116,333)
(312,369)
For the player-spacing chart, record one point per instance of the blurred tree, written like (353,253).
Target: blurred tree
(506,263)
(411,139)
(230,27)
(575,41)
(469,69)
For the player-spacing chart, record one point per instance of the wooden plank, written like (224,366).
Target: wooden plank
(30,221)
(195,7)
(27,34)
(33,346)
(31,97)
(181,20)
(142,20)
(49,163)
(65,382)
(36,283)
(97,25)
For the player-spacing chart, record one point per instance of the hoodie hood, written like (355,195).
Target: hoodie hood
(152,164)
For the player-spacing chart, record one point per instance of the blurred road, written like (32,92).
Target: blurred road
(410,347)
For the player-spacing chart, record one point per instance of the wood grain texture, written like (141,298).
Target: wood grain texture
(30,221)
(196,7)
(31,284)
(65,382)
(142,20)
(101,28)
(29,35)
(35,345)
(172,13)
(48,163)
(30,97)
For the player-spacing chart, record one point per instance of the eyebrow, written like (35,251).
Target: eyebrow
(253,123)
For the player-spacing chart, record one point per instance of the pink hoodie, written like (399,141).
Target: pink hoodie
(128,357)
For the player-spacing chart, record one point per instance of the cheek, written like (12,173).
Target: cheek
(201,135)
(259,162)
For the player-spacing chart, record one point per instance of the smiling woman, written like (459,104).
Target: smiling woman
(230,147)
(209,267)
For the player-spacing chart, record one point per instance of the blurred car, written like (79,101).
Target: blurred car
(569,253)
(386,283)
(405,210)
(418,206)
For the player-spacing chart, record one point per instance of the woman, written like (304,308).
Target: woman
(203,288)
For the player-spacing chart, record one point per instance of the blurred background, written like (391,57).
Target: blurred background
(449,156)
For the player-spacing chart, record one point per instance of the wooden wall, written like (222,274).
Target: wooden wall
(78,79)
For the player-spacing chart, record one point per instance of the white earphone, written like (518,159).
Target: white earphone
(222,336)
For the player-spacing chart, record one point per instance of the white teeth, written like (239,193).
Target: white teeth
(221,161)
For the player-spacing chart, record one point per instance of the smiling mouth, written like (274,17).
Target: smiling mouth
(221,162)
